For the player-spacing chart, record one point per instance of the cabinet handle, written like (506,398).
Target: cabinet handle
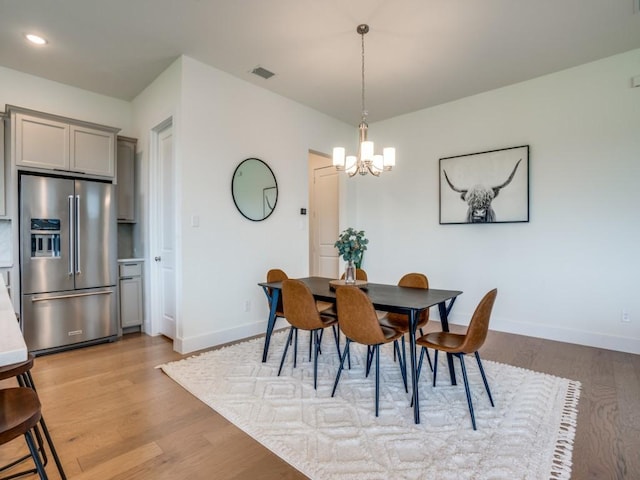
(126,278)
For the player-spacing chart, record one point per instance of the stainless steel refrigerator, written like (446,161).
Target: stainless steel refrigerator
(68,262)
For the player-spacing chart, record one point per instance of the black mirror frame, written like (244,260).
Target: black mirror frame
(276,188)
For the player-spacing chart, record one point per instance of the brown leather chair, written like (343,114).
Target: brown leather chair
(461,344)
(276,275)
(400,321)
(359,322)
(301,312)
(19,414)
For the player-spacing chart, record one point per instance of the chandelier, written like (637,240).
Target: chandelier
(366,161)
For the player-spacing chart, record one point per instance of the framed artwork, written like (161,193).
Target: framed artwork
(485,187)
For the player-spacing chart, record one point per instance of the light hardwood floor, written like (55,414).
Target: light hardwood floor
(114,416)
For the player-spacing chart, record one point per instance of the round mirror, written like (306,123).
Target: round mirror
(254,189)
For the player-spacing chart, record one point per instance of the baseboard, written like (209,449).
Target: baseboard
(560,334)
(220,337)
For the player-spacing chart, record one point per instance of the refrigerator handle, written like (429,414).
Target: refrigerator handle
(78,271)
(71,235)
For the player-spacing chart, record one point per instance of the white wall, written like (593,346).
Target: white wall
(222,121)
(28,91)
(569,272)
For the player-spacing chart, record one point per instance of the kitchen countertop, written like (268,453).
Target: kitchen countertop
(127,260)
(12,346)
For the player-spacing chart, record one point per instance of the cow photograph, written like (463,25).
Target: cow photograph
(486,187)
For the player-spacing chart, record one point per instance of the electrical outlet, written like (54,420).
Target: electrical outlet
(625,317)
(247,305)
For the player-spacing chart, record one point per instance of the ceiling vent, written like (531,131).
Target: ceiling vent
(262,72)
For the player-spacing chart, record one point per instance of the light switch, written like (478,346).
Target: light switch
(195,220)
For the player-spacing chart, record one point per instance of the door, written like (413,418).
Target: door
(96,236)
(46,234)
(163,232)
(324,219)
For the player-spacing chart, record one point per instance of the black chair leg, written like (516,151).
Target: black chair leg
(402,364)
(466,389)
(345,353)
(295,347)
(484,378)
(369,360)
(316,336)
(336,335)
(376,349)
(435,367)
(286,347)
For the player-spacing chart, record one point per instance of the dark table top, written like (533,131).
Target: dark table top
(391,298)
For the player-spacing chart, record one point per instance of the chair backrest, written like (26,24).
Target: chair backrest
(414,280)
(299,305)
(277,275)
(357,317)
(479,324)
(360,275)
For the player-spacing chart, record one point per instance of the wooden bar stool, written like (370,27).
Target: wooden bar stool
(21,371)
(19,413)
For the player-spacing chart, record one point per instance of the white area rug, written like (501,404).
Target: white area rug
(528,435)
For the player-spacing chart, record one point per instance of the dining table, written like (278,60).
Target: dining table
(389,298)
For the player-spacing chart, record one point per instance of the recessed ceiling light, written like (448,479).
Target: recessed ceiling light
(36,39)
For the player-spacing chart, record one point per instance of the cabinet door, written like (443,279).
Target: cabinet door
(131,301)
(126,180)
(92,151)
(41,143)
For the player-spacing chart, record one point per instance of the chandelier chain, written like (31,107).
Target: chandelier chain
(364,111)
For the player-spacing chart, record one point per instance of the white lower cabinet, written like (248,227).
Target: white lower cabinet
(131,305)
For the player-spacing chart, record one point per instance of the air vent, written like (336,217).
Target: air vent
(262,72)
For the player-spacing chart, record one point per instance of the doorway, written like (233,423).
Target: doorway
(323,216)
(162,232)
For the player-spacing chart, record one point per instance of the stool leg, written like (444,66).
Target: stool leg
(53,449)
(27,380)
(34,454)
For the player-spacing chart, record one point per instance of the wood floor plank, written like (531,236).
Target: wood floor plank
(114,416)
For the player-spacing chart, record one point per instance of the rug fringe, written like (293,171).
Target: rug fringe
(561,464)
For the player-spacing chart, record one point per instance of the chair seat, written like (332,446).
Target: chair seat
(391,334)
(444,341)
(326,308)
(15,369)
(399,322)
(328,320)
(19,412)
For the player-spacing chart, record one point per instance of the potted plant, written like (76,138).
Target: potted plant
(351,244)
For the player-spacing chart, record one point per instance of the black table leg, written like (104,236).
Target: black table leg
(414,368)
(273,302)
(444,312)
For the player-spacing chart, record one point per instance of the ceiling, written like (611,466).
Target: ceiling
(419,53)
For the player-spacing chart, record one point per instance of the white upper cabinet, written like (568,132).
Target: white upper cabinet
(55,144)
(41,142)
(92,151)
